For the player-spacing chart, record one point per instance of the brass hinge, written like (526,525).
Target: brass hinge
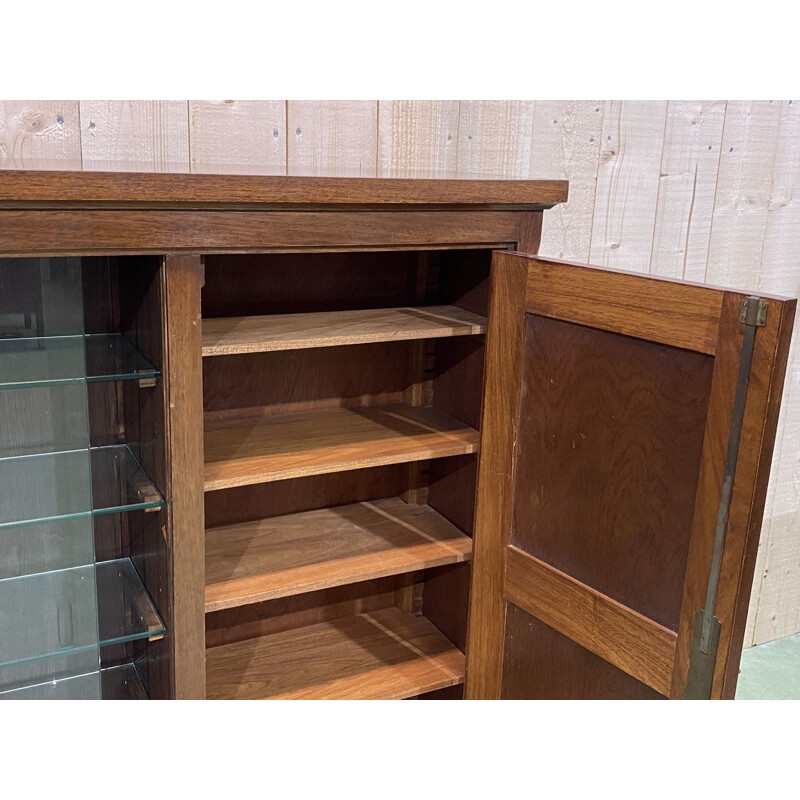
(705,641)
(753,311)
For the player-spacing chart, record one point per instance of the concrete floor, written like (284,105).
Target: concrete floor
(771,671)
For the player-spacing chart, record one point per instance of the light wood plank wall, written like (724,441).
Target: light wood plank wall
(703,190)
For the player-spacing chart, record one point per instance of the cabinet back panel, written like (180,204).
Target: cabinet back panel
(288,381)
(288,283)
(246,503)
(541,664)
(302,610)
(607,460)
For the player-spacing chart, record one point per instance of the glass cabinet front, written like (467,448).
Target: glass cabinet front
(60,604)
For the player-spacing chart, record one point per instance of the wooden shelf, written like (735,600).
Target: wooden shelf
(247,451)
(230,336)
(383,655)
(296,553)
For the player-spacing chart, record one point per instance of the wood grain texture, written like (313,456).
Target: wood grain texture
(312,379)
(45,131)
(103,232)
(246,137)
(302,610)
(183,375)
(281,556)
(384,655)
(548,538)
(529,232)
(687,189)
(618,634)
(116,133)
(29,187)
(608,452)
(678,314)
(565,143)
(243,452)
(542,664)
(754,205)
(758,438)
(332,137)
(749,488)
(627,184)
(505,346)
(494,138)
(233,335)
(417,138)
(293,496)
(296,283)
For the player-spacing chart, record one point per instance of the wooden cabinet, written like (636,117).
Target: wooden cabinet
(401,456)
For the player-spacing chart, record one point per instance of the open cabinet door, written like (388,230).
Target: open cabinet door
(627,431)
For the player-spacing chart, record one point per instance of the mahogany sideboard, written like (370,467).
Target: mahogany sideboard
(285,437)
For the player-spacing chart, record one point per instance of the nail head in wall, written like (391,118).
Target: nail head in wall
(275,133)
(298,131)
(60,119)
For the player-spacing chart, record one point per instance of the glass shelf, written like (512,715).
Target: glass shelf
(52,615)
(63,360)
(125,610)
(112,683)
(122,683)
(73,687)
(51,486)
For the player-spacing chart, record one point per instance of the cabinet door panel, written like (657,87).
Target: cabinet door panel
(608,411)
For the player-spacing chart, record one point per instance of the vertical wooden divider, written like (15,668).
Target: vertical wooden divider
(184,426)
(505,343)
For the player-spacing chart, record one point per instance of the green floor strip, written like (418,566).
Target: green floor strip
(771,671)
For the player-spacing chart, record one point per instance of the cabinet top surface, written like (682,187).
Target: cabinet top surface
(32,188)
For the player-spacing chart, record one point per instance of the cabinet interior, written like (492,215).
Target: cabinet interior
(124,295)
(342,400)
(83,543)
